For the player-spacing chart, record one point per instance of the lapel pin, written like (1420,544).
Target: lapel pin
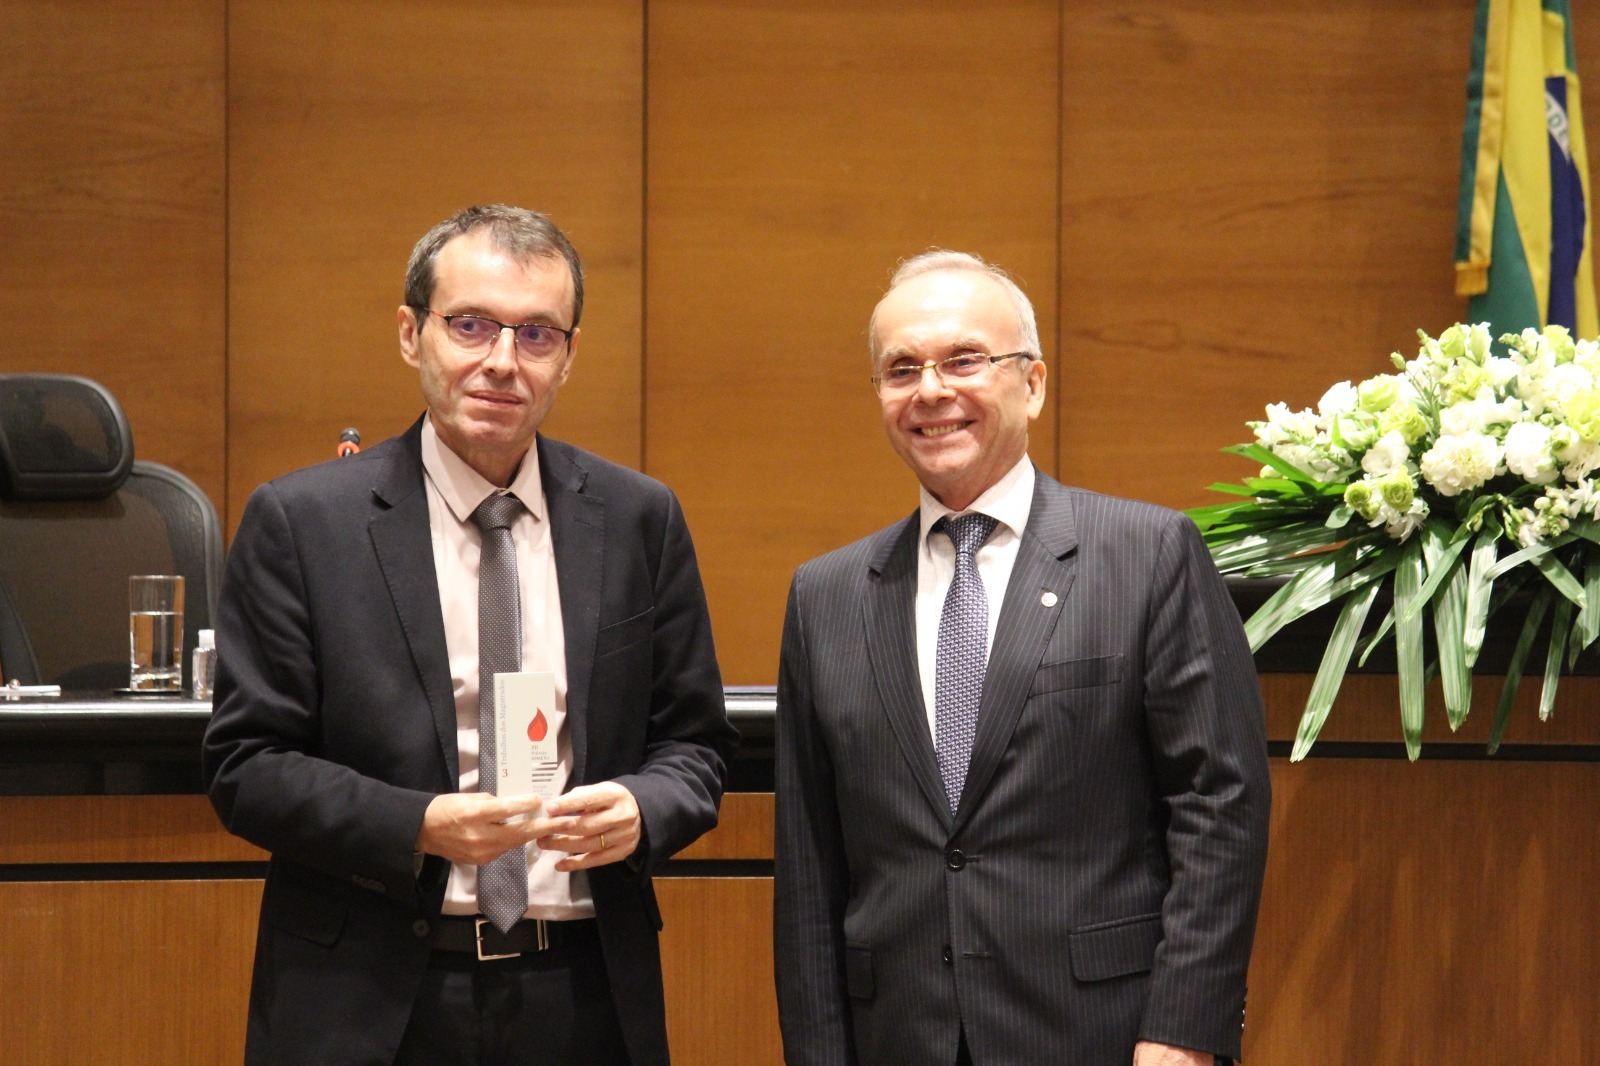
(1049,599)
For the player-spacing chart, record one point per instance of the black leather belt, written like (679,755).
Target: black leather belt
(478,936)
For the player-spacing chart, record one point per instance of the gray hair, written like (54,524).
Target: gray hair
(945,259)
(522,234)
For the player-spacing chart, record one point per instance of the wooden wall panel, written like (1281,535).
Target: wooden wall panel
(84,829)
(1428,913)
(112,212)
(352,130)
(1257,201)
(796,153)
(716,961)
(1368,709)
(116,972)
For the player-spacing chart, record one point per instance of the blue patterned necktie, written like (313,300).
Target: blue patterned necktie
(963,652)
(502,883)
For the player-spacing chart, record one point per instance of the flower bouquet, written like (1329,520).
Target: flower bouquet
(1457,481)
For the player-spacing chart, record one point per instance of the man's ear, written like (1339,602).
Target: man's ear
(1036,378)
(410,335)
(572,353)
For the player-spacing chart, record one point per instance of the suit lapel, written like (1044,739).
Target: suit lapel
(577,536)
(401,539)
(1040,582)
(892,649)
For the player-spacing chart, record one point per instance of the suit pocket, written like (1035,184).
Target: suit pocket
(295,907)
(1077,673)
(858,972)
(1114,949)
(623,634)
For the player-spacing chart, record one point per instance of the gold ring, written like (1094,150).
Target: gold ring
(602,842)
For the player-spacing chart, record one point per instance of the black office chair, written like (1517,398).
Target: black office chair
(78,516)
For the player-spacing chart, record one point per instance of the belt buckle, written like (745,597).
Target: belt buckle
(477,930)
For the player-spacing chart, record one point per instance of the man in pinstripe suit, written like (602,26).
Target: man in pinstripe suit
(1068,871)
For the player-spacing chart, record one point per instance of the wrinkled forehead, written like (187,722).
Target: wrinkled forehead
(944,310)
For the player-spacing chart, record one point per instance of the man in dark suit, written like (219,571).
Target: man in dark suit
(1022,776)
(367,605)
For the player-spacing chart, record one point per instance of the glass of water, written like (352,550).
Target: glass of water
(155,632)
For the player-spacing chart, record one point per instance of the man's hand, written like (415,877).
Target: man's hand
(596,824)
(471,828)
(1146,1053)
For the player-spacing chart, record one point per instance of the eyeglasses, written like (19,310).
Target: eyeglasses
(537,342)
(966,367)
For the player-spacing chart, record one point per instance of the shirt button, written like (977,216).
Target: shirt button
(955,859)
(948,955)
(421,928)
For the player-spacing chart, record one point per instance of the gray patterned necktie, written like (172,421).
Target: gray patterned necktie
(503,883)
(963,652)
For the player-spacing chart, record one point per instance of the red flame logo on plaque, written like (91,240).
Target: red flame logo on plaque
(538,727)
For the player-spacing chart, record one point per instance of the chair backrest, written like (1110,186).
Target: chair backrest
(78,516)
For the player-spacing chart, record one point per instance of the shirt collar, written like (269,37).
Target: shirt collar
(463,488)
(1008,501)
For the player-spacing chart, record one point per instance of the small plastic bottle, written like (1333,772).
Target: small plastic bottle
(205,664)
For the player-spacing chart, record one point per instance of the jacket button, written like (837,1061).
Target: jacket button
(947,955)
(954,859)
(421,928)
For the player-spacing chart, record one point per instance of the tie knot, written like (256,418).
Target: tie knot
(496,512)
(968,532)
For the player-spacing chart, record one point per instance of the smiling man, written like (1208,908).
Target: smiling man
(1022,778)
(411,914)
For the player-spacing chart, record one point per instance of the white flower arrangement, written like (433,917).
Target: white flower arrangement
(1457,480)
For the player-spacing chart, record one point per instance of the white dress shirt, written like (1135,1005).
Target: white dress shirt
(454,492)
(1008,501)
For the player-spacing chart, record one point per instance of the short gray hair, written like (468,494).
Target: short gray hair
(522,234)
(945,259)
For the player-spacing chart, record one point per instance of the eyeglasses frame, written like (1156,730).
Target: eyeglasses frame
(934,365)
(515,347)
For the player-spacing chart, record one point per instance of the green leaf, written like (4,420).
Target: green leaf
(1377,637)
(1337,574)
(1588,627)
(1479,586)
(1519,659)
(1408,576)
(1340,516)
(1295,598)
(1532,553)
(1267,457)
(1251,550)
(1330,675)
(1560,628)
(1561,578)
(1449,616)
(1447,551)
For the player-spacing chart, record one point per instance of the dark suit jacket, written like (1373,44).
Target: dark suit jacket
(335,726)
(1100,881)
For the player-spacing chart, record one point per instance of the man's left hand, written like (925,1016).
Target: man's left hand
(596,824)
(1146,1053)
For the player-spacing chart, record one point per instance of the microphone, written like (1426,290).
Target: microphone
(349,442)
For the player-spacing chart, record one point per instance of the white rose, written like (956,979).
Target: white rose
(1401,524)
(1296,425)
(1459,462)
(1387,455)
(1563,381)
(1341,399)
(1579,461)
(1502,372)
(1528,453)
(1480,341)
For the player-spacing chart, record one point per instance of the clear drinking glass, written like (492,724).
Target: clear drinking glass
(155,632)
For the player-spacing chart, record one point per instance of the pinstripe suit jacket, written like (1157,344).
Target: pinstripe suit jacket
(1099,883)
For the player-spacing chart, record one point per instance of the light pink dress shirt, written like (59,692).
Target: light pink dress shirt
(454,492)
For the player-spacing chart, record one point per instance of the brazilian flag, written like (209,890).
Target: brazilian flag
(1522,235)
